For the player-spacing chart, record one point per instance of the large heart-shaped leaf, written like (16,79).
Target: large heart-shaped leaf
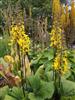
(32,96)
(46,90)
(68,98)
(34,82)
(7,97)
(16,93)
(68,87)
(3,91)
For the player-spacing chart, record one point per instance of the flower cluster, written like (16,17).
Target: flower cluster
(57,41)
(19,37)
(56,9)
(61,63)
(56,37)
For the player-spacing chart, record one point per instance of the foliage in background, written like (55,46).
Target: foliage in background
(4,48)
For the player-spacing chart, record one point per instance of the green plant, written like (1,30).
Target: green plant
(44,57)
(4,48)
(41,90)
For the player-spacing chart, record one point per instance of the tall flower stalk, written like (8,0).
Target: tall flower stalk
(20,42)
(57,42)
(60,63)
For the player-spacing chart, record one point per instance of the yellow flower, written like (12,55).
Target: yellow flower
(8,59)
(20,42)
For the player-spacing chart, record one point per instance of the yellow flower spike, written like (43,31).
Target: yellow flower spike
(56,38)
(18,36)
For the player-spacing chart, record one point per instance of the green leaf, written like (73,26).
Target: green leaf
(41,89)
(48,54)
(48,66)
(46,90)
(68,98)
(32,96)
(3,91)
(7,97)
(34,82)
(51,56)
(16,93)
(67,74)
(68,87)
(40,71)
(49,75)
